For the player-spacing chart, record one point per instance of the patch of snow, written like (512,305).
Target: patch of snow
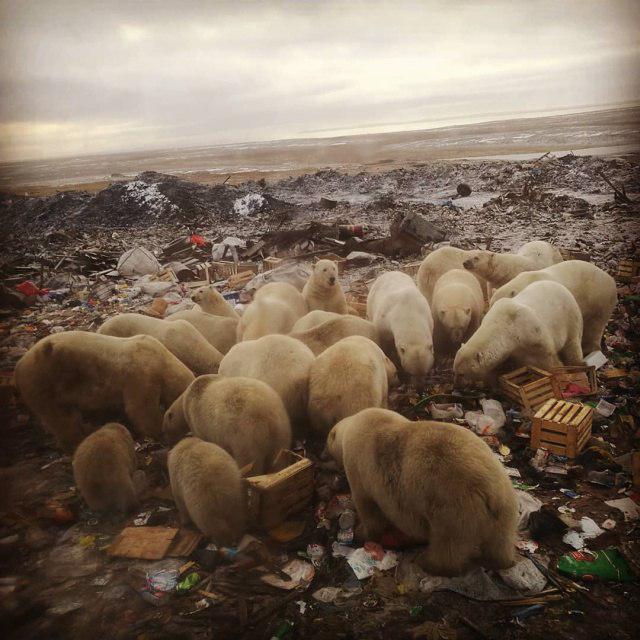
(248,205)
(149,196)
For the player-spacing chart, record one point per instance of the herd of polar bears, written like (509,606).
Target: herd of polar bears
(228,392)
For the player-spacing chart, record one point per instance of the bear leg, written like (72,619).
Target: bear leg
(142,407)
(373,522)
(571,353)
(66,425)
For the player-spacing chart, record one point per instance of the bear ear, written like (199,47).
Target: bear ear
(512,293)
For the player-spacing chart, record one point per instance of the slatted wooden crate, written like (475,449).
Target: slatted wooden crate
(582,375)
(224,268)
(271,263)
(274,497)
(528,386)
(628,270)
(562,427)
(569,253)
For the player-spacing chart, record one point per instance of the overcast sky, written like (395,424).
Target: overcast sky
(91,76)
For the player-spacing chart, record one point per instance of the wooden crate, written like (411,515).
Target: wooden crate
(271,263)
(274,497)
(411,269)
(529,387)
(562,427)
(628,270)
(581,375)
(574,254)
(225,268)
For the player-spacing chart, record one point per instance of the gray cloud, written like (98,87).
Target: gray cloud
(88,76)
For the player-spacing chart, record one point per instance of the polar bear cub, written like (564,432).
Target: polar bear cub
(244,416)
(208,490)
(275,309)
(404,321)
(595,292)
(349,376)
(323,290)
(541,327)
(103,467)
(435,482)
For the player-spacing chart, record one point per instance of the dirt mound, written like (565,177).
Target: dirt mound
(151,198)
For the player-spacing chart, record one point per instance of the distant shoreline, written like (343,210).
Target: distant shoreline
(607,132)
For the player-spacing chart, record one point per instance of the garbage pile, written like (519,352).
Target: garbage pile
(70,571)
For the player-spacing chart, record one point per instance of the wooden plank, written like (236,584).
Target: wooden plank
(569,415)
(550,425)
(544,408)
(146,543)
(184,543)
(554,448)
(553,436)
(553,410)
(586,411)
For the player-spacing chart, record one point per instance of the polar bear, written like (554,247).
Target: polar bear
(499,268)
(435,482)
(280,361)
(403,319)
(349,376)
(180,337)
(541,327)
(275,309)
(244,416)
(313,319)
(69,379)
(458,307)
(209,300)
(103,466)
(218,331)
(321,336)
(208,490)
(323,290)
(594,290)
(436,264)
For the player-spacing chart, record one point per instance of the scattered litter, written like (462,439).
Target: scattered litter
(589,530)
(364,561)
(608,564)
(630,509)
(300,572)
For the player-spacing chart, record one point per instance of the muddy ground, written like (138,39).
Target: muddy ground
(58,580)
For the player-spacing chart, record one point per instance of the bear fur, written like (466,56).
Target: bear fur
(435,482)
(281,362)
(540,327)
(436,264)
(244,416)
(180,337)
(275,309)
(68,379)
(321,336)
(209,300)
(103,466)
(218,331)
(349,376)
(594,290)
(458,307)
(499,268)
(403,319)
(313,319)
(323,290)
(208,490)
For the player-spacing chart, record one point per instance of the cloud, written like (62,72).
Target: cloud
(202,73)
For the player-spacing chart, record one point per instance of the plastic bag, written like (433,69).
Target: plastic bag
(608,564)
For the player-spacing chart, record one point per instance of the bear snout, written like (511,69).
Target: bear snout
(332,280)
(467,264)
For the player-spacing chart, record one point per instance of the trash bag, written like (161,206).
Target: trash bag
(294,273)
(138,262)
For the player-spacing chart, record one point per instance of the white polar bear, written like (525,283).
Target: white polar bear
(313,319)
(499,268)
(439,262)
(275,309)
(541,327)
(404,321)
(594,290)
(458,307)
(323,290)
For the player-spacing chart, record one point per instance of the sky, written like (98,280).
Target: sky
(82,77)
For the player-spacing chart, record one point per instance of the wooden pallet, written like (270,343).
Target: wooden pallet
(528,387)
(582,375)
(562,427)
(274,497)
(628,270)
